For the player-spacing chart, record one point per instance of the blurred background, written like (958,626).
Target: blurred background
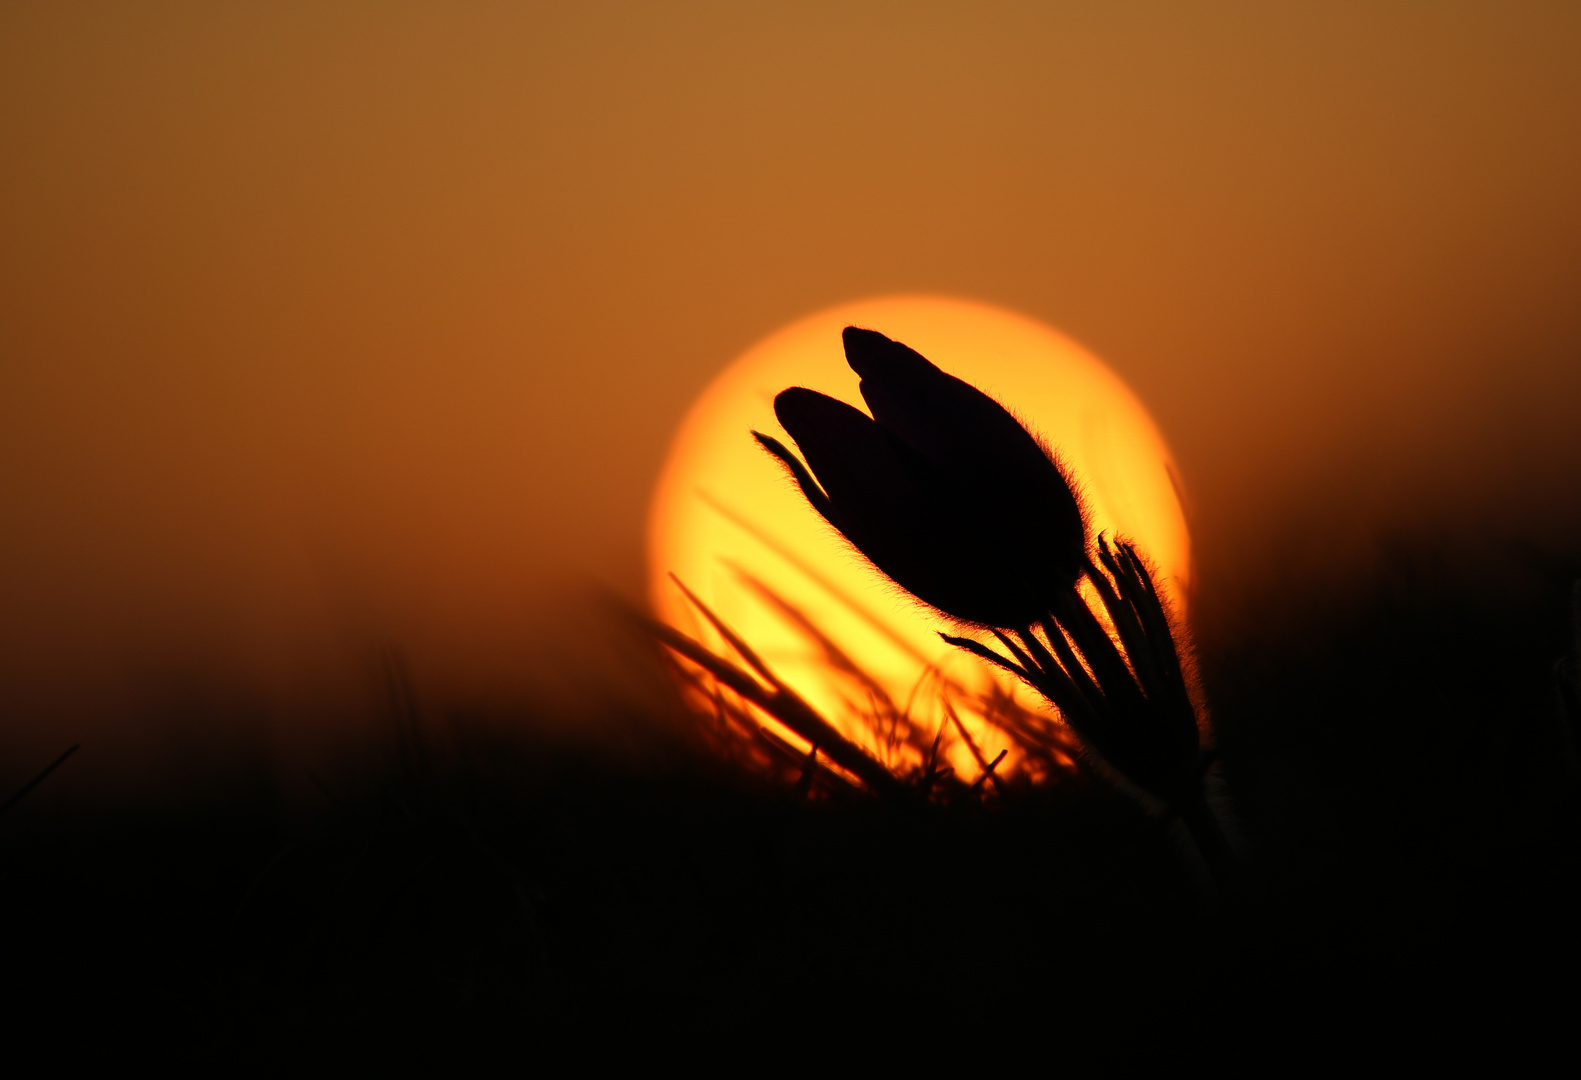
(330,326)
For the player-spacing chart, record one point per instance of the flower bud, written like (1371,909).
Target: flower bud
(941,488)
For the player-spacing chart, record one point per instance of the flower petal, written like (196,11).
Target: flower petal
(894,507)
(1001,475)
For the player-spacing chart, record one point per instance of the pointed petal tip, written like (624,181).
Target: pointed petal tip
(793,400)
(864,348)
(801,412)
(861,335)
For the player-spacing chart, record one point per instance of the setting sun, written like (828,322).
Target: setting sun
(732,527)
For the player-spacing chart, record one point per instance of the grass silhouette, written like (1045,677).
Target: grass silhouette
(472,886)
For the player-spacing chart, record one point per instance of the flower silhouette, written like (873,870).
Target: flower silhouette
(944,491)
(941,488)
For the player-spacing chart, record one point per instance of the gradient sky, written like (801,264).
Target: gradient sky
(327,321)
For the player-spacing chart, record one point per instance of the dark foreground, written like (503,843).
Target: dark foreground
(1403,774)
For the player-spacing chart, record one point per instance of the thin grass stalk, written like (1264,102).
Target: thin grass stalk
(784,705)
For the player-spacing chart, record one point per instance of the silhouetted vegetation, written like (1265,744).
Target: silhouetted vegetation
(1407,795)
(945,492)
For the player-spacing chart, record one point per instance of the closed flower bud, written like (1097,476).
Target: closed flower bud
(941,487)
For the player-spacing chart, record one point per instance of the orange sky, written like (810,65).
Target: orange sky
(323,322)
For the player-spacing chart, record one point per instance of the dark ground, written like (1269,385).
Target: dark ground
(1399,760)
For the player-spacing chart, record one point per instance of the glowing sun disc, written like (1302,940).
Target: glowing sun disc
(726,520)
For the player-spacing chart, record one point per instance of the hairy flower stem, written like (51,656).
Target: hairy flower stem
(1126,696)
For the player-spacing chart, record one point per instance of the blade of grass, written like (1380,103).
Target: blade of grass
(778,700)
